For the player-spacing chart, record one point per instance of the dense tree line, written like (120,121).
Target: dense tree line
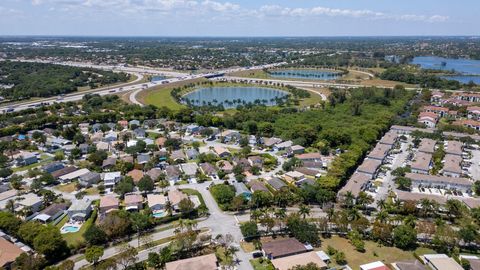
(44,80)
(422,79)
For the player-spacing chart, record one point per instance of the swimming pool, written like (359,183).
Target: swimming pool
(70,228)
(159,214)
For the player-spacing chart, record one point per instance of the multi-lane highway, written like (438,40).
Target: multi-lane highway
(135,86)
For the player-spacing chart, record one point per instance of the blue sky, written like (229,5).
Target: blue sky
(239,17)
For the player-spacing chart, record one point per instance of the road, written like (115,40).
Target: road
(218,222)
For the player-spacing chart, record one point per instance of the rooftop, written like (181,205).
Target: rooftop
(289,262)
(205,262)
(283,247)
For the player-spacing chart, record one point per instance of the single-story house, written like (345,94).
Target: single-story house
(51,213)
(80,210)
(89,179)
(9,252)
(282,248)
(191,153)
(221,151)
(205,262)
(133,202)
(136,175)
(175,196)
(156,202)
(108,203)
(173,173)
(208,169)
(189,169)
(287,263)
(241,189)
(110,179)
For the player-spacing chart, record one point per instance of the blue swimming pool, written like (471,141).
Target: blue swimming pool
(70,229)
(159,214)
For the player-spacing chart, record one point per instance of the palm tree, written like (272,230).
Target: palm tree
(425,205)
(10,206)
(255,214)
(330,213)
(169,207)
(349,199)
(382,216)
(381,204)
(304,211)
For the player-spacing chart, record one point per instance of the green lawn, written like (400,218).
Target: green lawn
(77,239)
(373,252)
(162,97)
(190,191)
(69,188)
(44,159)
(261,264)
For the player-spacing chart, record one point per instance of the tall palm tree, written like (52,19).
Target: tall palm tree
(10,206)
(349,199)
(304,211)
(381,204)
(382,216)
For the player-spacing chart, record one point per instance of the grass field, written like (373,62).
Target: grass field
(373,252)
(162,97)
(261,264)
(69,188)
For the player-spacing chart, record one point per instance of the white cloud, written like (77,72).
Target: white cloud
(215,9)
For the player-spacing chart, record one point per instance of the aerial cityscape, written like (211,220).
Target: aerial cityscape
(239,135)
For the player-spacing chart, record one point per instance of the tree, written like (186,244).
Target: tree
(249,229)
(116,224)
(97,157)
(93,254)
(30,261)
(261,199)
(222,193)
(126,185)
(304,211)
(186,206)
(340,258)
(404,237)
(50,243)
(476,187)
(303,230)
(146,184)
(403,183)
(95,236)
(127,256)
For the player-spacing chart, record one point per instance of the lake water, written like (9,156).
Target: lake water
(227,95)
(465,67)
(305,74)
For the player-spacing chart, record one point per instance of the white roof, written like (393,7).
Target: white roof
(42,217)
(74,174)
(111,175)
(372,265)
(323,255)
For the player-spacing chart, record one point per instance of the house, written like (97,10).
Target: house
(51,167)
(222,152)
(30,201)
(205,262)
(8,253)
(473,112)
(380,152)
(110,179)
(270,142)
(175,196)
(160,141)
(422,163)
(51,213)
(89,179)
(133,202)
(156,202)
(134,123)
(436,97)
(178,156)
(139,133)
(192,129)
(83,148)
(110,136)
(154,173)
(276,183)
(357,183)
(309,172)
(473,260)
(287,263)
(282,248)
(390,138)
(191,153)
(241,189)
(143,159)
(283,145)
(69,177)
(427,146)
(429,119)
(408,265)
(173,173)
(295,150)
(293,176)
(189,169)
(136,175)
(102,146)
(454,148)
(440,182)
(440,111)
(208,169)
(26,158)
(6,196)
(452,166)
(370,167)
(255,161)
(80,210)
(468,123)
(109,163)
(123,123)
(108,204)
(225,165)
(229,136)
(256,185)
(310,157)
(440,262)
(378,265)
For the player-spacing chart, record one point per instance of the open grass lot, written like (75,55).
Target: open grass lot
(160,96)
(69,188)
(384,83)
(261,264)
(373,252)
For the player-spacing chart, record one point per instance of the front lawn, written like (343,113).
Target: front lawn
(373,252)
(261,264)
(68,188)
